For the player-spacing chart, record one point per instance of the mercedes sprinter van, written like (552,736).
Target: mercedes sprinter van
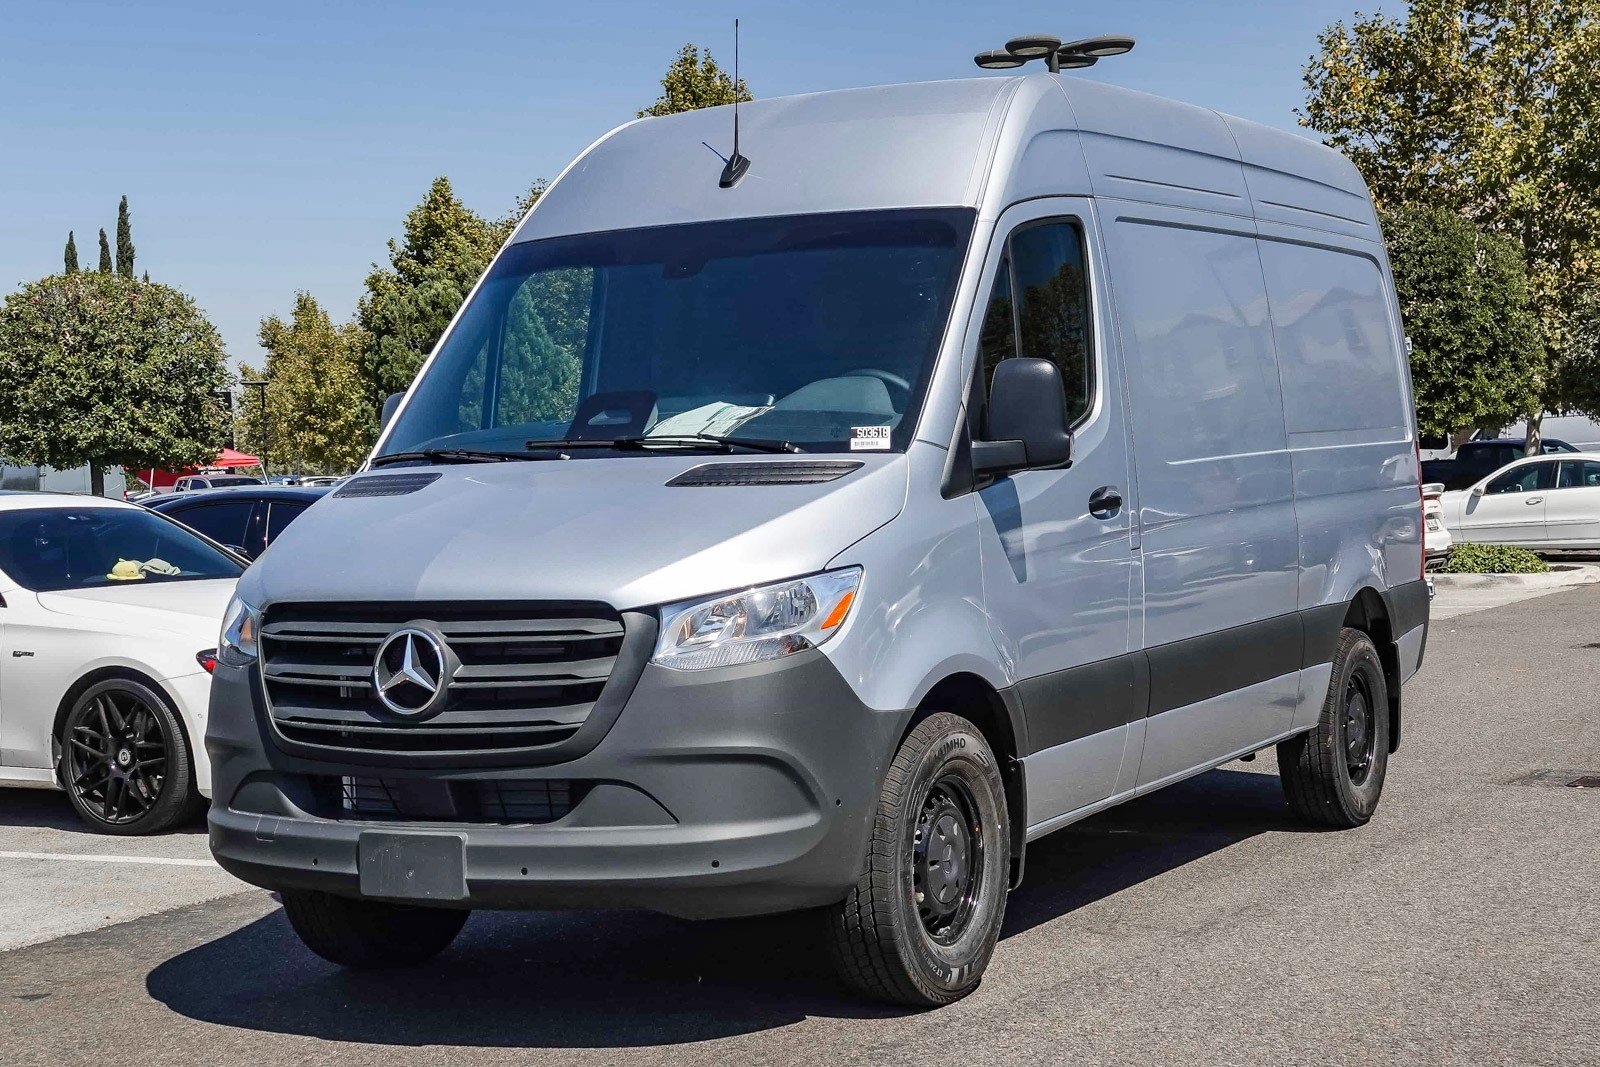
(815,535)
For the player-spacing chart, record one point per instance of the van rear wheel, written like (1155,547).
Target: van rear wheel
(921,923)
(370,934)
(1333,775)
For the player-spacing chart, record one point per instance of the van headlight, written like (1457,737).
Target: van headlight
(767,622)
(237,645)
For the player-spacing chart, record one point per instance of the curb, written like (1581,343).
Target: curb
(1561,576)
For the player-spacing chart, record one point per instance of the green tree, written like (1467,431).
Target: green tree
(70,257)
(319,417)
(124,241)
(408,304)
(96,369)
(105,254)
(1467,307)
(694,81)
(1487,107)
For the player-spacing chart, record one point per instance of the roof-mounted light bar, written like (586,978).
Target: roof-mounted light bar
(1073,55)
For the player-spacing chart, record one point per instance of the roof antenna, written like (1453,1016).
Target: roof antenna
(736,165)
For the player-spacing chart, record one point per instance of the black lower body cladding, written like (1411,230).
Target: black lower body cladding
(738,791)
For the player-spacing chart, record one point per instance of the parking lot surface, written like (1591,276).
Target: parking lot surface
(1198,925)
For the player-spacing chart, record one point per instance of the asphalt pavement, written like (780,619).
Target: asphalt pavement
(1198,925)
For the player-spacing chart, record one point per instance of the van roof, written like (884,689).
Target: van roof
(973,142)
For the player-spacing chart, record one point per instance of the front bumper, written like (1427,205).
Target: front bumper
(738,791)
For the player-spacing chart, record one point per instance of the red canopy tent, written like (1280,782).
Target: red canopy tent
(226,460)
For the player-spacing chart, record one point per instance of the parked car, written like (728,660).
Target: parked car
(1476,459)
(1540,502)
(110,629)
(995,452)
(1436,538)
(246,519)
(191,482)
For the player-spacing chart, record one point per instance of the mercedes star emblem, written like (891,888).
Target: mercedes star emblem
(411,671)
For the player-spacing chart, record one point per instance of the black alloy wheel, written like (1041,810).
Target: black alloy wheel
(124,760)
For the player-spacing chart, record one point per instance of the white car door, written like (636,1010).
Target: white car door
(1510,509)
(1572,508)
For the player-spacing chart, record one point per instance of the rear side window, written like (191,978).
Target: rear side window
(1524,479)
(225,523)
(1579,474)
(1040,308)
(279,518)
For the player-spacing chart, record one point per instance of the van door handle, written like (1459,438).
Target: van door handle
(1105,501)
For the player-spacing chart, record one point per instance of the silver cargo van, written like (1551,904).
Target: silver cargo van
(992,452)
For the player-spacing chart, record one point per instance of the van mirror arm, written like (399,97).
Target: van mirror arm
(994,458)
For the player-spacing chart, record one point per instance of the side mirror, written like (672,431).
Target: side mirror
(1477,490)
(1028,426)
(391,404)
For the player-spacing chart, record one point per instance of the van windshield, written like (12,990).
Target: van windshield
(819,330)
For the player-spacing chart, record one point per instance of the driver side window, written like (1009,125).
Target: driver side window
(1523,479)
(1039,308)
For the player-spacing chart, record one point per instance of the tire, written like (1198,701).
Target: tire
(125,760)
(370,934)
(1333,775)
(919,926)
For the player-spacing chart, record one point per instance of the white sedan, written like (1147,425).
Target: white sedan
(107,632)
(1545,503)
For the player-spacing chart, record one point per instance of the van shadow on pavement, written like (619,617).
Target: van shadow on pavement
(621,979)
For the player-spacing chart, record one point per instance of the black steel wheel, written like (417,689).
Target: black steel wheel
(125,761)
(921,923)
(1333,774)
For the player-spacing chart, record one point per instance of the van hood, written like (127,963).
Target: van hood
(189,609)
(603,529)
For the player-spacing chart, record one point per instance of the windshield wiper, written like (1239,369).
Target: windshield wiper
(462,455)
(701,441)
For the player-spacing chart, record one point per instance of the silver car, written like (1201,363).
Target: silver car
(991,452)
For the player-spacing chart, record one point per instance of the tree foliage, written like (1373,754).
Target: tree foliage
(319,419)
(105,254)
(1475,345)
(1487,107)
(97,369)
(70,256)
(444,248)
(124,240)
(693,81)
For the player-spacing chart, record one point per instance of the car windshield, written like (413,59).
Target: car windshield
(232,479)
(818,330)
(50,549)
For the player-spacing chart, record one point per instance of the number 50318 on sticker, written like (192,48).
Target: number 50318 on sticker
(869,438)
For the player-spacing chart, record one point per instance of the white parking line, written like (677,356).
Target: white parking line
(83,858)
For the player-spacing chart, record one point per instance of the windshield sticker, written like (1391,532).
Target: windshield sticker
(869,438)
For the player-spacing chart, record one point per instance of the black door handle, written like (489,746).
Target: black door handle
(1105,501)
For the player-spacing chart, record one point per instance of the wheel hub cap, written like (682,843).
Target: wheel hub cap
(947,860)
(1358,731)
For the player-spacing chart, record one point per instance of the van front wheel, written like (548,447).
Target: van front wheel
(920,924)
(1333,775)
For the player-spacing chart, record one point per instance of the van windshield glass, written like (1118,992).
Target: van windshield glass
(818,330)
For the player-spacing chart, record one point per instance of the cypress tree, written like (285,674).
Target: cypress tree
(124,241)
(147,277)
(105,254)
(71,254)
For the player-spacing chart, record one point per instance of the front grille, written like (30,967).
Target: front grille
(529,674)
(496,800)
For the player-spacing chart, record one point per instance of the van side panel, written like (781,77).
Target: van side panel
(1220,542)
(1346,405)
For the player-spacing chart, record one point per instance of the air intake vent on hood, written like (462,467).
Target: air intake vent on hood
(387,484)
(764,473)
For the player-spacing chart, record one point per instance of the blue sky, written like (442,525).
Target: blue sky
(266,148)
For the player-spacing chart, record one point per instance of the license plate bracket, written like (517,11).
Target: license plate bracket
(402,865)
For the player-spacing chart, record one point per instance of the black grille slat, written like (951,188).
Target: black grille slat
(528,677)
(489,800)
